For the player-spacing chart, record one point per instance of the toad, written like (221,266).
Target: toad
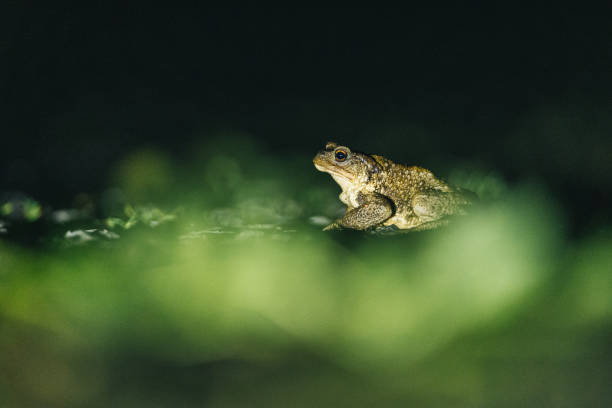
(380,193)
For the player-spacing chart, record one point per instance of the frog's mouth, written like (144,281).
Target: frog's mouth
(339,174)
(343,178)
(335,172)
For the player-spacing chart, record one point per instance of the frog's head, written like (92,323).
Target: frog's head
(345,166)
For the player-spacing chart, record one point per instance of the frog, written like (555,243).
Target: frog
(380,194)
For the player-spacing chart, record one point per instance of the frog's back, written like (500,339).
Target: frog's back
(402,182)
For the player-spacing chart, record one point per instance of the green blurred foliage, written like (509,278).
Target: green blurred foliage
(238,301)
(145,174)
(22,208)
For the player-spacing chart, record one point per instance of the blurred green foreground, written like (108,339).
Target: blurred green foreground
(238,300)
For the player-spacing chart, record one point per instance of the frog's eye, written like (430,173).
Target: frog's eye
(341,155)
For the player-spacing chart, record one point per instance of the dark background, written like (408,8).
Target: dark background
(521,91)
(228,301)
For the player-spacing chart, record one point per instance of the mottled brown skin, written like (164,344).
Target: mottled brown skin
(379,192)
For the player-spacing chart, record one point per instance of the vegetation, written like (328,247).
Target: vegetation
(221,290)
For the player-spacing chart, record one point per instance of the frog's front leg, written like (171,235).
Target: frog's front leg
(373,209)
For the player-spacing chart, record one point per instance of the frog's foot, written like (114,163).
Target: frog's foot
(432,225)
(334,226)
(384,229)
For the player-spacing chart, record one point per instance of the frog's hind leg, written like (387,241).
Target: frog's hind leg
(434,208)
(434,205)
